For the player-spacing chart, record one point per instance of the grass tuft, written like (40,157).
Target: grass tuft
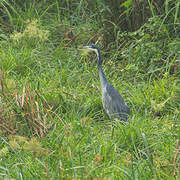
(52,123)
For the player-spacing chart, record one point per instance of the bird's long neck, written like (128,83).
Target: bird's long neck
(100,70)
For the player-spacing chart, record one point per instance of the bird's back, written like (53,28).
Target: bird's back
(113,103)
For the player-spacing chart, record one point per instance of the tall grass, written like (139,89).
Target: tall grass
(52,124)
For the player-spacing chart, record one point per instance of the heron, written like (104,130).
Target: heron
(113,103)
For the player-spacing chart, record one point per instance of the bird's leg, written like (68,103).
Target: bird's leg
(112,127)
(112,134)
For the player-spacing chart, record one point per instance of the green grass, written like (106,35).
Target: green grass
(52,124)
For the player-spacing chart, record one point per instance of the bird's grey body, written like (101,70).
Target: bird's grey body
(113,103)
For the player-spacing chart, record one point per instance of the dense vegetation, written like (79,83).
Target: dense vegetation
(52,124)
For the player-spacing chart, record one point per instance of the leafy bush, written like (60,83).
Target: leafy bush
(52,124)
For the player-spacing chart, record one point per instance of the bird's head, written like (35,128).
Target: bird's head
(92,47)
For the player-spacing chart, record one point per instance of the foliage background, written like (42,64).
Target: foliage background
(52,124)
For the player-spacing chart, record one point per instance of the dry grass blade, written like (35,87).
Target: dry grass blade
(48,111)
(35,115)
(1,83)
(31,104)
(27,112)
(36,118)
(175,157)
(22,100)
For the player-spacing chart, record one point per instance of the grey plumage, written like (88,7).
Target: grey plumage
(113,103)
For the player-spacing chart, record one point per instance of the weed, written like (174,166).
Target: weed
(52,124)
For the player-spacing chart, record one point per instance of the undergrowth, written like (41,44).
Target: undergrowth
(52,124)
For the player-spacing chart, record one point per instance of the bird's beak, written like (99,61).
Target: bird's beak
(85,47)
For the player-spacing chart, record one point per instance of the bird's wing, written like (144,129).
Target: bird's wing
(113,93)
(118,104)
